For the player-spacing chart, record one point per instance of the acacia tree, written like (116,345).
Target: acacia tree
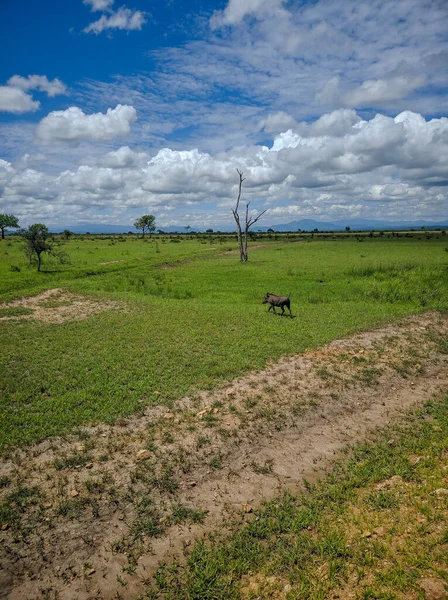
(7,221)
(37,241)
(147,223)
(242,231)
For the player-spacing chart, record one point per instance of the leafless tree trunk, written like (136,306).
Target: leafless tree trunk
(242,232)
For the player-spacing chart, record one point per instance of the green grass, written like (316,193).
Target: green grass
(15,311)
(193,317)
(344,534)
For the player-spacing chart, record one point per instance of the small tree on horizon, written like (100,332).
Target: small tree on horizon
(7,221)
(146,223)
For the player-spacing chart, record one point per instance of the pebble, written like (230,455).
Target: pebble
(434,588)
(143,455)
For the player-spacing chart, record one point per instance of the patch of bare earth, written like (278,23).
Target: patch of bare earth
(109,498)
(58,306)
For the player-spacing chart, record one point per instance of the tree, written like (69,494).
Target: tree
(67,234)
(7,221)
(147,223)
(347,229)
(37,241)
(249,221)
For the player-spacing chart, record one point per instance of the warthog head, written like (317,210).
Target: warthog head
(266,298)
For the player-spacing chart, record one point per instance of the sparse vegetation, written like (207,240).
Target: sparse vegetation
(373,528)
(143,474)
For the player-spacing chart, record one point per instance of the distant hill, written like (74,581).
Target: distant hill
(354,224)
(95,228)
(303,225)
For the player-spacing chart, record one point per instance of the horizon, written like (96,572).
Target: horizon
(333,111)
(355,225)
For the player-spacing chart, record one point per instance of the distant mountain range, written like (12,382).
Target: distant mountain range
(303,225)
(354,224)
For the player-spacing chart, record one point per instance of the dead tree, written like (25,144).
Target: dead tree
(249,221)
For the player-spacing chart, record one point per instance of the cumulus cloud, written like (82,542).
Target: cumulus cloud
(372,92)
(277,122)
(123,158)
(376,168)
(38,82)
(30,160)
(16,101)
(96,5)
(73,125)
(338,123)
(236,10)
(124,18)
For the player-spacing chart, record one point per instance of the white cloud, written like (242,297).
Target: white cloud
(378,168)
(373,92)
(236,10)
(391,190)
(73,126)
(283,62)
(38,82)
(97,5)
(30,160)
(14,100)
(338,123)
(124,18)
(122,158)
(278,121)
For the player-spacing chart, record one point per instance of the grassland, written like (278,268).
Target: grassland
(145,322)
(191,316)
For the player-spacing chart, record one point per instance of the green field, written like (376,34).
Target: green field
(192,316)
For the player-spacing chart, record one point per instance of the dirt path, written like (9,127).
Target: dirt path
(101,508)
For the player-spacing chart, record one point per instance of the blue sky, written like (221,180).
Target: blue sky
(333,110)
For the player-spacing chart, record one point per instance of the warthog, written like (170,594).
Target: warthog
(280,301)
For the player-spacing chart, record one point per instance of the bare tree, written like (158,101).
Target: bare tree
(248,222)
